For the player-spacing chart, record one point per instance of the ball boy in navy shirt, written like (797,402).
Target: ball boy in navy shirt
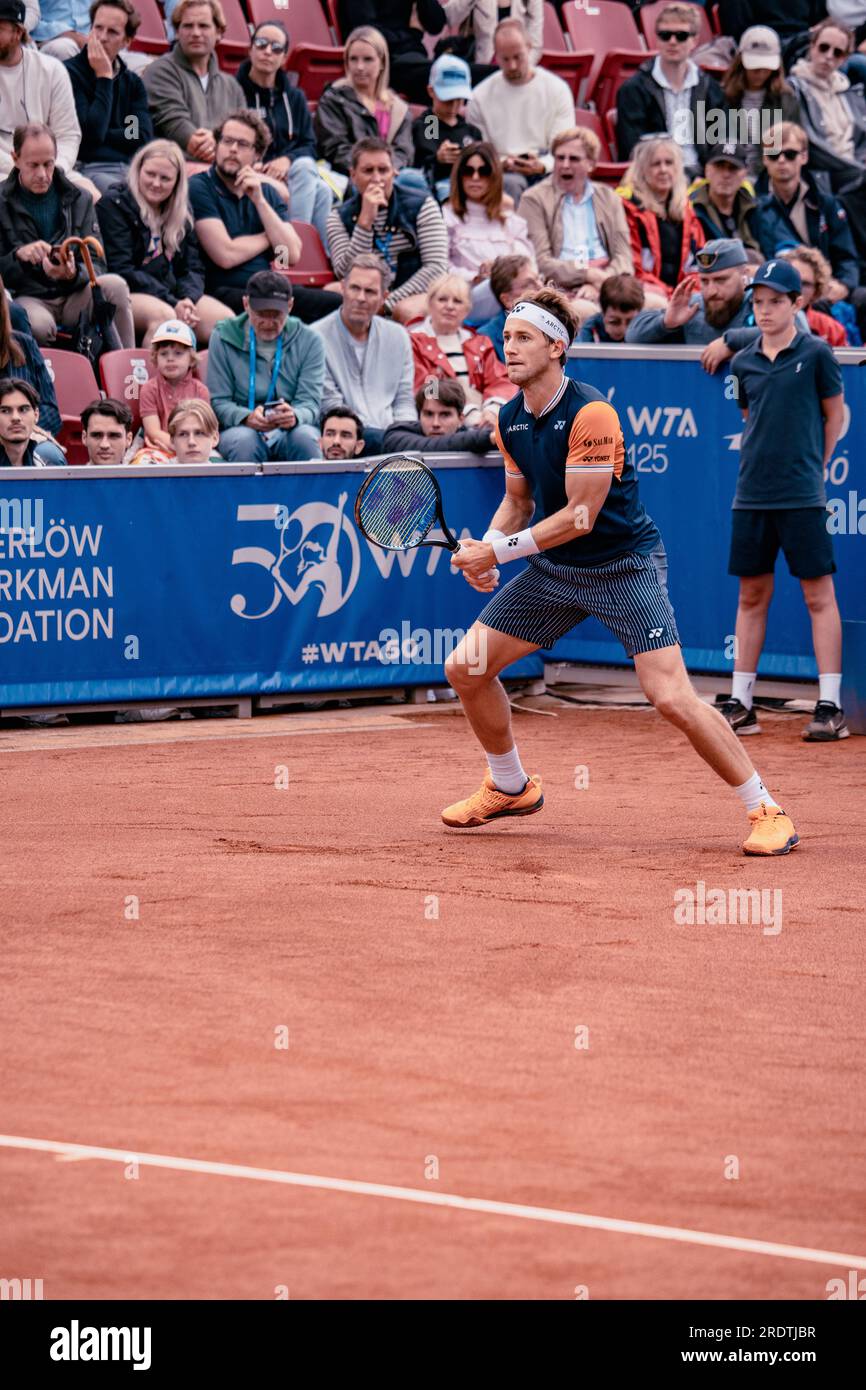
(789,388)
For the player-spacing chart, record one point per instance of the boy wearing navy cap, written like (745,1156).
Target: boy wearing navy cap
(441,131)
(789,388)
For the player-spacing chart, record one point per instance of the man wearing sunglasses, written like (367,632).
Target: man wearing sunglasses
(665,92)
(793,211)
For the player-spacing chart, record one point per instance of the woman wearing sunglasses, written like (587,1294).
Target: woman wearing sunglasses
(833,111)
(481,226)
(283,108)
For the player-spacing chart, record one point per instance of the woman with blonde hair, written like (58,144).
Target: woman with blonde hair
(363,104)
(443,348)
(663,227)
(147,231)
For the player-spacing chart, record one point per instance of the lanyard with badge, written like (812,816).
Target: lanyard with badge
(275,371)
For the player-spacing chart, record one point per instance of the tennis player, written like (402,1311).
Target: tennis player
(592,552)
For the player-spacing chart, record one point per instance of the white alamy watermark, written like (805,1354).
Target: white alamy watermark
(426,646)
(22,517)
(722,907)
(738,126)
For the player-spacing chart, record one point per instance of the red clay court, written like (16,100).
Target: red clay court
(429,1058)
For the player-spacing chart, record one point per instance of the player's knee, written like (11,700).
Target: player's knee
(672,702)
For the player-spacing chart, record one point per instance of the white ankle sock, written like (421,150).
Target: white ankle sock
(753,792)
(742,686)
(507,773)
(830,688)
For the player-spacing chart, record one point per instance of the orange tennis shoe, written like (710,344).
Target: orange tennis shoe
(772,831)
(488,803)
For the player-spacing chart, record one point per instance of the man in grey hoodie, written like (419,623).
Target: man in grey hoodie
(186,91)
(264,372)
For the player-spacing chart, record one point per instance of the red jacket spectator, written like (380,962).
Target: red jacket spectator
(646,247)
(486,373)
(828,328)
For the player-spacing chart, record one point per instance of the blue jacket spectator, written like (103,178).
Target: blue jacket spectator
(20,357)
(110,101)
(826,222)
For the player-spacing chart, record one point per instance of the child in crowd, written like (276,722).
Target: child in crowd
(173,354)
(194,433)
(441,132)
(621,298)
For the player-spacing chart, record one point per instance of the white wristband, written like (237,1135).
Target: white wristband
(493,535)
(515,547)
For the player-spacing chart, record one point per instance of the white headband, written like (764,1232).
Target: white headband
(540,318)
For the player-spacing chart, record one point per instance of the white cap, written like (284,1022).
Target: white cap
(175,331)
(760,47)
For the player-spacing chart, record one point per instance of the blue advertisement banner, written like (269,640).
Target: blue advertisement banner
(682,430)
(160,584)
(149,586)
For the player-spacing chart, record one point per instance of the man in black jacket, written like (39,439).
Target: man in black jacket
(440,405)
(39,209)
(787,17)
(110,101)
(672,94)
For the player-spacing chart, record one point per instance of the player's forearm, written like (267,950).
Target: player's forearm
(575,520)
(512,514)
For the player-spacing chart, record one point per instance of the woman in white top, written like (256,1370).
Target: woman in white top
(481,225)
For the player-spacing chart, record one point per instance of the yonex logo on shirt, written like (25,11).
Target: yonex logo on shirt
(560,425)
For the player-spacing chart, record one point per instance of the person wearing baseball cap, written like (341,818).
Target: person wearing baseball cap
(704,304)
(173,379)
(755,83)
(440,132)
(788,385)
(34,92)
(723,203)
(266,372)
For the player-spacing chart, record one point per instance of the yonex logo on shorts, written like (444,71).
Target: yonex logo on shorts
(655,632)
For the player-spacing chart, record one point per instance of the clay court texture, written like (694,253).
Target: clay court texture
(270,1030)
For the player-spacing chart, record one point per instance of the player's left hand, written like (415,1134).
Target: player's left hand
(475,558)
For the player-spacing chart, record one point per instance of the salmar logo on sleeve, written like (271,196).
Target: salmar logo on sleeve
(76,1343)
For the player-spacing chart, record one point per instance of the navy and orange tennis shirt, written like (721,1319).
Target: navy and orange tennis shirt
(577,431)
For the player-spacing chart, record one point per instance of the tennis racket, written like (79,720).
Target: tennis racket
(398,504)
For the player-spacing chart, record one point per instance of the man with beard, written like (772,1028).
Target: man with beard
(342,433)
(241,221)
(703,306)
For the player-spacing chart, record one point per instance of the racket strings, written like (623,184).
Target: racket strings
(399,506)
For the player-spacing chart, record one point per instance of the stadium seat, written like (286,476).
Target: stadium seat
(715,20)
(647,16)
(314,268)
(602,27)
(122,373)
(75,386)
(552,39)
(606,170)
(312,52)
(556,55)
(334,19)
(616,67)
(151,36)
(234,45)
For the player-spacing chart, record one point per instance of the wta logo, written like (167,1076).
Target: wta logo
(318,552)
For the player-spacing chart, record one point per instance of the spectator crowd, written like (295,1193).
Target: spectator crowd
(447,173)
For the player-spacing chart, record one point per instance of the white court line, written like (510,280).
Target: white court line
(58,747)
(442,1199)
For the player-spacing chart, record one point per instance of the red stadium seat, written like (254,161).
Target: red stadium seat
(606,170)
(552,39)
(312,54)
(616,67)
(647,17)
(75,386)
(123,372)
(573,68)
(714,19)
(601,26)
(313,268)
(334,19)
(234,45)
(151,36)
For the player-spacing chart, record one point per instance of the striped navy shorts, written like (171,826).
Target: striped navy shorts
(629,595)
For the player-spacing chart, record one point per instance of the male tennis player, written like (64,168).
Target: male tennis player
(592,551)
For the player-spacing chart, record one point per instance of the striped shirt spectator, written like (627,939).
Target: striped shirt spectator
(402,225)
